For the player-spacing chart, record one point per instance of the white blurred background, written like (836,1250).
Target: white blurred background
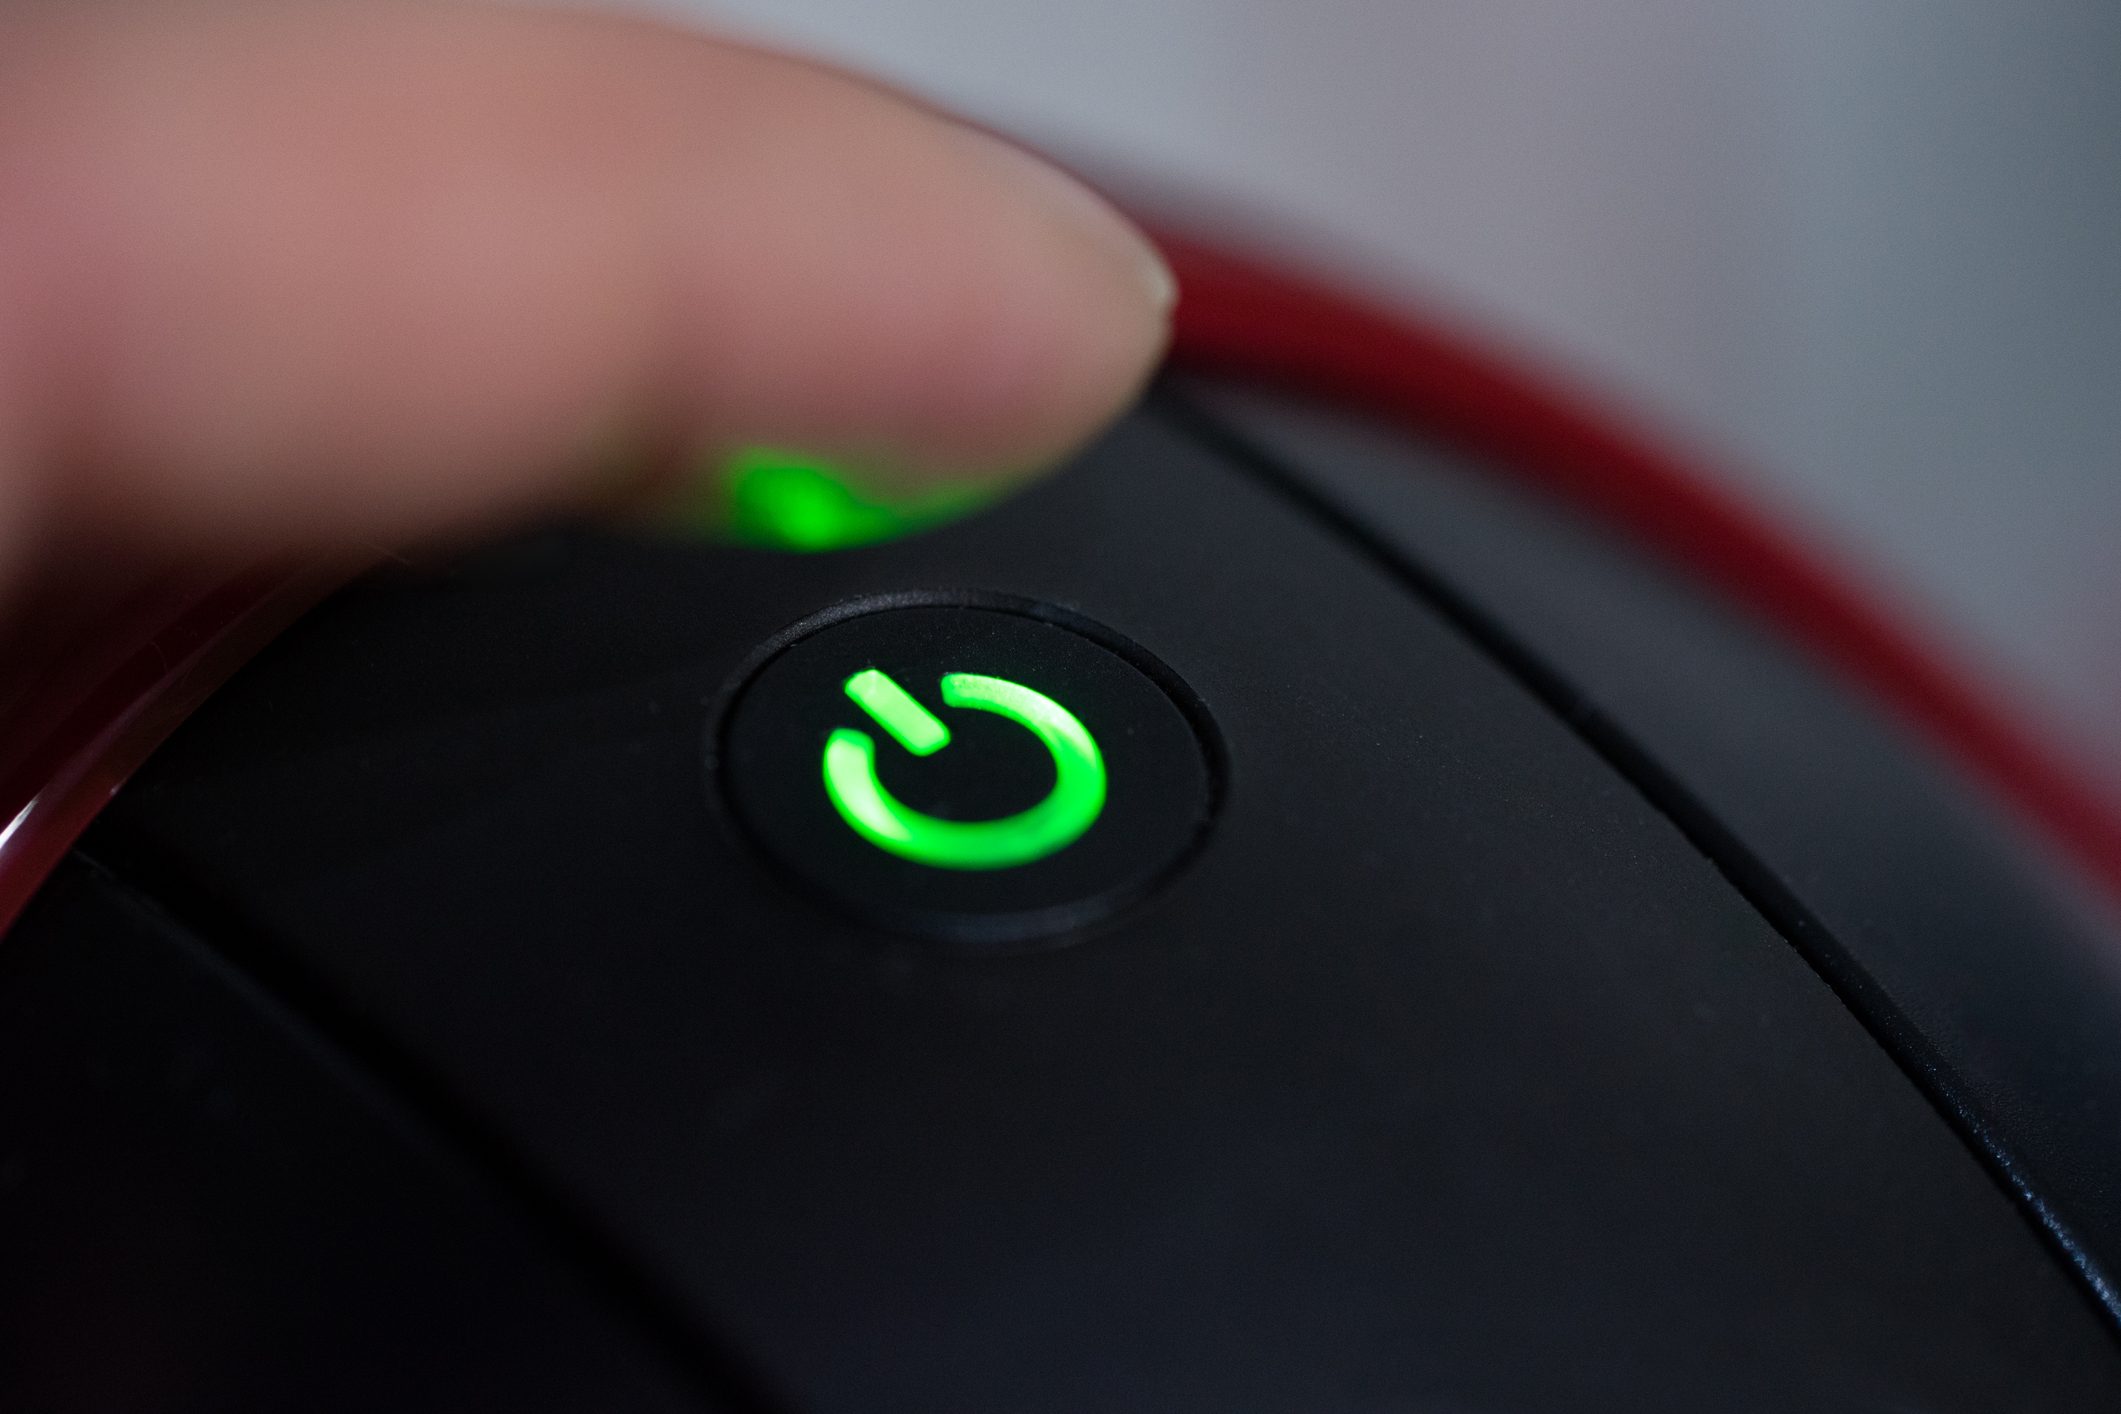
(1864,256)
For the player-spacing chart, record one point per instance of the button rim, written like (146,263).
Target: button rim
(994,934)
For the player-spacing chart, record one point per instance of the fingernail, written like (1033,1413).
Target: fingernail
(1084,212)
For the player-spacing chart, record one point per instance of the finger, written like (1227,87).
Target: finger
(349,273)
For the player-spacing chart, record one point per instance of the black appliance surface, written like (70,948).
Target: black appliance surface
(1449,1067)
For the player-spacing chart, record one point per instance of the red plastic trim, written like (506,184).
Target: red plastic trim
(96,711)
(101,704)
(1244,318)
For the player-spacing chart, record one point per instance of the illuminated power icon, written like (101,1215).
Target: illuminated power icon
(1069,808)
(921,768)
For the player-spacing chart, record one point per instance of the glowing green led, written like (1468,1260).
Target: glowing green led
(917,729)
(1070,808)
(789,502)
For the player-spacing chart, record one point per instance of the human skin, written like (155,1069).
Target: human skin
(354,274)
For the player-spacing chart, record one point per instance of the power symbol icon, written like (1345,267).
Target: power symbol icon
(1069,809)
(1068,777)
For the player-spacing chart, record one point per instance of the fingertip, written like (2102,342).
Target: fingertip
(383,271)
(995,316)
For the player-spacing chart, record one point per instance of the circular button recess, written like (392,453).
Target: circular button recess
(973,772)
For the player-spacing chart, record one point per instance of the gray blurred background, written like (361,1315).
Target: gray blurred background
(1864,256)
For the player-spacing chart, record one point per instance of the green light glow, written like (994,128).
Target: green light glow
(789,502)
(1070,808)
(912,725)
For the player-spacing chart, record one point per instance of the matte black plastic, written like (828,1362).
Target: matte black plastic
(1991,973)
(202,1213)
(1449,1075)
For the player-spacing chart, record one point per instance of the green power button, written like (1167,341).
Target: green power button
(1068,809)
(968,808)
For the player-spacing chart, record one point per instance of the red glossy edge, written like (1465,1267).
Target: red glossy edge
(100,706)
(1259,322)
(72,738)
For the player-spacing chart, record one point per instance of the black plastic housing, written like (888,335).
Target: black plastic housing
(1510,1041)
